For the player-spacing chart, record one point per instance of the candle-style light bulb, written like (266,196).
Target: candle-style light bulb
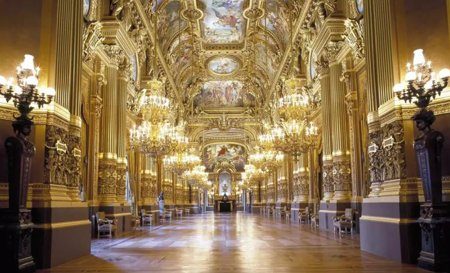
(419,58)
(28,62)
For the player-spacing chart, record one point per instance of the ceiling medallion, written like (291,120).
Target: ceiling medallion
(223,65)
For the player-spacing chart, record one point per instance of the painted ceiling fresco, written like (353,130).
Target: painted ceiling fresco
(232,153)
(223,65)
(223,21)
(222,94)
(277,20)
(169,22)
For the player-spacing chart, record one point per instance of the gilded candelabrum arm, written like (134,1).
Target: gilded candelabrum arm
(24,93)
(422,94)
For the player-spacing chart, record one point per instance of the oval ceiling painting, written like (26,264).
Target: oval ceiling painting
(223,65)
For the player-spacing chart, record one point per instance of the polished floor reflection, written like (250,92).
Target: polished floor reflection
(230,243)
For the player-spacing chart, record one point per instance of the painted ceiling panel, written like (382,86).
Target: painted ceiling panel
(223,21)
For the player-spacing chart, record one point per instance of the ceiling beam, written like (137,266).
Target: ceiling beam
(287,53)
(151,33)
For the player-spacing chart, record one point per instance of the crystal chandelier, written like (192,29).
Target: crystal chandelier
(153,139)
(253,175)
(266,159)
(154,107)
(178,141)
(273,138)
(273,160)
(295,104)
(181,162)
(197,176)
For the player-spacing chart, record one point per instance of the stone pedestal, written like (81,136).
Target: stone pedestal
(435,225)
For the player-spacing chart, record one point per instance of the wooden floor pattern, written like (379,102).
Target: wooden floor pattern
(230,243)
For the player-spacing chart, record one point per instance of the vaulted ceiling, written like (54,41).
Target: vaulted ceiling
(224,53)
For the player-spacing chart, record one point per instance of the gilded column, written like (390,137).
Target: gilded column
(96,106)
(122,93)
(351,99)
(74,137)
(327,172)
(108,147)
(303,180)
(378,21)
(281,187)
(147,182)
(312,176)
(340,141)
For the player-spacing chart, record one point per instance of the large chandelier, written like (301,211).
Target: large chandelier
(153,139)
(154,106)
(252,174)
(181,162)
(197,177)
(266,159)
(295,103)
(273,138)
(178,141)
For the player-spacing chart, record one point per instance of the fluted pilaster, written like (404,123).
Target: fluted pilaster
(378,22)
(324,77)
(96,107)
(122,92)
(108,146)
(351,99)
(303,179)
(340,140)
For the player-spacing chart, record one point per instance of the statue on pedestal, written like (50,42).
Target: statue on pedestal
(161,201)
(434,219)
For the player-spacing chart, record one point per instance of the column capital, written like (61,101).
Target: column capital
(332,50)
(115,54)
(322,67)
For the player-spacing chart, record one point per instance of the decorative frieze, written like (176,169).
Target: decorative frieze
(56,171)
(354,37)
(121,180)
(342,177)
(327,178)
(107,177)
(393,145)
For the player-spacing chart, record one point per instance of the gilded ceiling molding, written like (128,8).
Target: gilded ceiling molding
(142,13)
(306,6)
(354,37)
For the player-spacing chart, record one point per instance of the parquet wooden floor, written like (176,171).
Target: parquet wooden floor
(230,243)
